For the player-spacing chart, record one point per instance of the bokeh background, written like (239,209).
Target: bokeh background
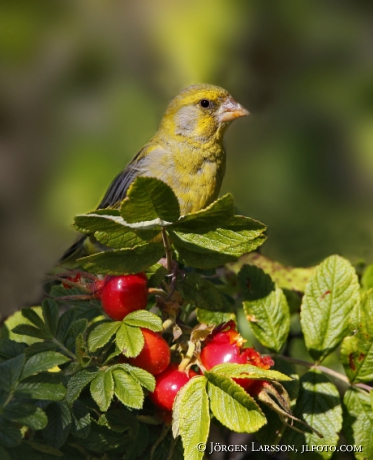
(84,84)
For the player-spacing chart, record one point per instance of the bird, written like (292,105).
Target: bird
(187,153)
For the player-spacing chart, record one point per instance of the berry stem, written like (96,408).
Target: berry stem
(167,246)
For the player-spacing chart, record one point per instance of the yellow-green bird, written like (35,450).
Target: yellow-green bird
(187,153)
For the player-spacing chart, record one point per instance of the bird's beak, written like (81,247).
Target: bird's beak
(230,109)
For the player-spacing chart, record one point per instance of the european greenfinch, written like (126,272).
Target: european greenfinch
(187,153)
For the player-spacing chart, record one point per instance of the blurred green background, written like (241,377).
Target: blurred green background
(84,84)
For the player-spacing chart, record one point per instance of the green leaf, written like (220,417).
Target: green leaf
(130,340)
(191,417)
(148,199)
(195,257)
(4,455)
(291,278)
(78,382)
(214,317)
(42,362)
(10,434)
(201,292)
(232,406)
(14,320)
(361,318)
(78,327)
(59,423)
(118,262)
(39,347)
(26,414)
(102,389)
(249,371)
(140,375)
(33,317)
(127,237)
(81,420)
(65,322)
(31,331)
(102,334)
(265,307)
(50,312)
(120,420)
(357,358)
(330,297)
(238,236)
(128,390)
(10,372)
(144,318)
(358,422)
(156,274)
(42,386)
(319,405)
(11,348)
(367,278)
(208,218)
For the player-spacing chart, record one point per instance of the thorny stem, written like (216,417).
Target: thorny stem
(167,246)
(326,370)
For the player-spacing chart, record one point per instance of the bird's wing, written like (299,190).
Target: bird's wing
(118,188)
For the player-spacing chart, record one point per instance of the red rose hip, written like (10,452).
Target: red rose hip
(155,356)
(123,294)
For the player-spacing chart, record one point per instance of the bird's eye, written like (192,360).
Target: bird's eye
(205,103)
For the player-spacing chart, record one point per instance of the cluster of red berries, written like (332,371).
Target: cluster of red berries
(121,295)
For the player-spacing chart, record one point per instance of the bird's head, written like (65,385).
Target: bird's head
(201,113)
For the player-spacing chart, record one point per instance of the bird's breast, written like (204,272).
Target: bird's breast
(195,175)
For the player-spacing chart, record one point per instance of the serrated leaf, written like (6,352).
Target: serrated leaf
(65,322)
(10,372)
(81,420)
(59,423)
(238,235)
(10,348)
(42,386)
(208,218)
(30,314)
(39,347)
(50,312)
(252,372)
(194,257)
(130,340)
(14,320)
(118,262)
(358,422)
(291,278)
(149,198)
(4,454)
(10,434)
(78,382)
(78,327)
(128,390)
(266,306)
(120,420)
(102,389)
(367,278)
(201,292)
(143,377)
(319,405)
(214,317)
(330,297)
(26,414)
(191,418)
(144,318)
(102,334)
(232,406)
(42,362)
(102,439)
(357,358)
(127,237)
(362,316)
(31,331)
